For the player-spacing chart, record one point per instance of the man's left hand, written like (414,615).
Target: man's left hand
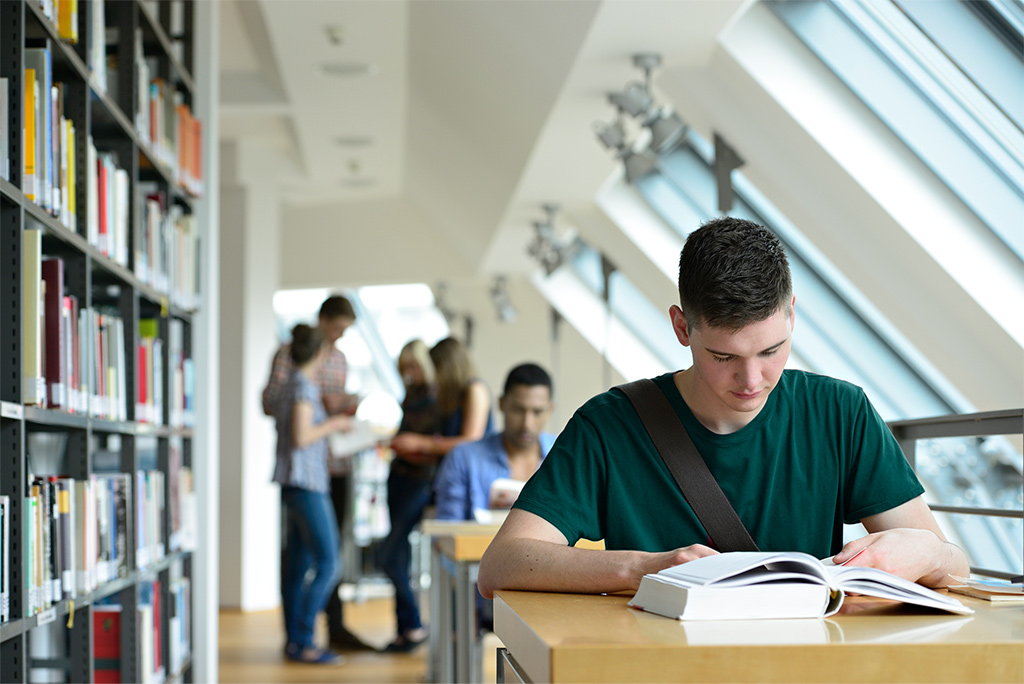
(912,554)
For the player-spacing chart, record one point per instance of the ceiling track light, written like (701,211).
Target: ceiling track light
(502,304)
(545,247)
(665,128)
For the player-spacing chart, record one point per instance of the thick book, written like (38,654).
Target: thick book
(751,585)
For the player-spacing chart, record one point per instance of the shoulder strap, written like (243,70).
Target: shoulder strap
(690,471)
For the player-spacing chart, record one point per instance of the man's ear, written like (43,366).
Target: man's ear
(679,325)
(792,313)
(501,403)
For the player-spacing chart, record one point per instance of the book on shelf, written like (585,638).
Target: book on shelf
(149,542)
(29,136)
(96,49)
(56,351)
(66,510)
(179,624)
(32,318)
(106,643)
(38,61)
(748,585)
(67,20)
(152,667)
(5,122)
(30,558)
(5,558)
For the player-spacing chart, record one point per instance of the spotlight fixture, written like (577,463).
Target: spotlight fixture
(502,304)
(545,247)
(666,129)
(637,163)
(441,302)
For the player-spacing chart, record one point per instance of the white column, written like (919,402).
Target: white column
(250,503)
(205,333)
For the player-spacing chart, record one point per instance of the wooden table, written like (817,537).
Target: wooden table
(588,638)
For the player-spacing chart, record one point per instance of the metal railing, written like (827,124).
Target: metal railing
(987,424)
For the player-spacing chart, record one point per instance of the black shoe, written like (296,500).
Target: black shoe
(402,644)
(347,641)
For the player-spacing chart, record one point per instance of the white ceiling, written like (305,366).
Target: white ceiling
(473,112)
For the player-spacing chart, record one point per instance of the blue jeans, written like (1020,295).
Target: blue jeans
(312,541)
(407,497)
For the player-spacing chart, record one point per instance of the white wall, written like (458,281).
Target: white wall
(249,502)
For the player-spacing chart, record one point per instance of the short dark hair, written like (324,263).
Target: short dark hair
(733,272)
(529,374)
(306,342)
(337,306)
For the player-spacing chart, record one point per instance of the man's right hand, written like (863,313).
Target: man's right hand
(656,562)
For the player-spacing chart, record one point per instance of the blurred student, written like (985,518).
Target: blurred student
(465,415)
(464,484)
(335,317)
(301,470)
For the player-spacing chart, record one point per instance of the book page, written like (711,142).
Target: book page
(875,582)
(732,566)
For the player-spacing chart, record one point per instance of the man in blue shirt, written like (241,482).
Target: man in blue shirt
(464,481)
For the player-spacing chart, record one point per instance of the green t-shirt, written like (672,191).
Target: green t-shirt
(816,456)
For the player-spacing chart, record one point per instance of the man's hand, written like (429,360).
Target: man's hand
(912,554)
(907,542)
(656,562)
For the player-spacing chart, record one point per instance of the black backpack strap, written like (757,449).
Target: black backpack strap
(690,471)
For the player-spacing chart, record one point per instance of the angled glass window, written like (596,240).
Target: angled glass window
(946,78)
(649,326)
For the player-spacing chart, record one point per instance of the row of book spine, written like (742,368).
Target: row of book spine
(74,359)
(48,166)
(165,121)
(167,250)
(153,667)
(75,535)
(162,117)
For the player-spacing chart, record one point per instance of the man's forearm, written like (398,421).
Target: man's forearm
(531,564)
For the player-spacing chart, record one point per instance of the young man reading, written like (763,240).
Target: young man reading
(463,484)
(797,454)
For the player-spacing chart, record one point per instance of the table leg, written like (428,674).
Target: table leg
(434,611)
(465,624)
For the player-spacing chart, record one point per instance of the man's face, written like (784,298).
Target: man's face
(334,328)
(526,409)
(736,370)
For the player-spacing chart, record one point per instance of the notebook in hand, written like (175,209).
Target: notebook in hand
(746,585)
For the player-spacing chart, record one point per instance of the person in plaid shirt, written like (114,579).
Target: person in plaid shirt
(335,317)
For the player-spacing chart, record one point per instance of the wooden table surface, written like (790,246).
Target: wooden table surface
(588,638)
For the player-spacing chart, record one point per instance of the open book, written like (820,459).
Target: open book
(745,585)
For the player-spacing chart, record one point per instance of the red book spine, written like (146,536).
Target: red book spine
(106,635)
(101,191)
(56,365)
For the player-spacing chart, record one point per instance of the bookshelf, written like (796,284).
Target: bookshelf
(100,179)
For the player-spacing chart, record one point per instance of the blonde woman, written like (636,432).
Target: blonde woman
(461,413)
